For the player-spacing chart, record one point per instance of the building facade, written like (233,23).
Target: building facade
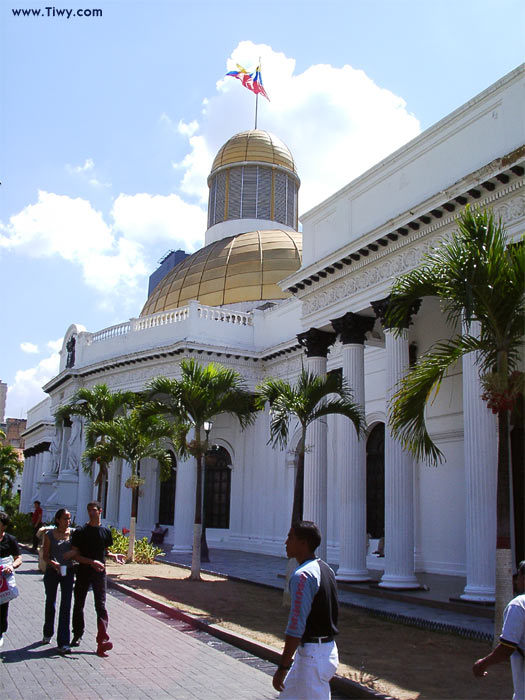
(266,300)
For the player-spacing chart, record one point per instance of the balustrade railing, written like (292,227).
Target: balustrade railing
(163,318)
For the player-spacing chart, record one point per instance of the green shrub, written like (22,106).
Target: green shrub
(145,552)
(10,502)
(21,527)
(120,542)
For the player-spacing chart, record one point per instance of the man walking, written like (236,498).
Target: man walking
(312,623)
(36,521)
(90,545)
(512,640)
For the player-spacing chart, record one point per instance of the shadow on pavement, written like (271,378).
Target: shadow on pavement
(36,650)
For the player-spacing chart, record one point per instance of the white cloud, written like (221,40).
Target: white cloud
(86,171)
(146,218)
(336,121)
(26,390)
(114,257)
(30,348)
(89,164)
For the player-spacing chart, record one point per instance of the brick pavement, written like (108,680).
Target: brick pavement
(150,658)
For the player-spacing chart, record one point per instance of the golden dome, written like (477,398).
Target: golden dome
(254,146)
(246,267)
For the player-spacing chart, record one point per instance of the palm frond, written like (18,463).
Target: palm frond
(407,406)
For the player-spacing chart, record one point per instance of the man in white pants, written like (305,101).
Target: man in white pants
(312,624)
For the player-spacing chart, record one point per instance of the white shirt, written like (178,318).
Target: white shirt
(513,633)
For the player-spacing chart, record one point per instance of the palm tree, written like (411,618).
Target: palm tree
(478,276)
(311,398)
(201,393)
(10,465)
(133,437)
(96,404)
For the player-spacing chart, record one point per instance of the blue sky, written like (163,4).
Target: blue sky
(109,126)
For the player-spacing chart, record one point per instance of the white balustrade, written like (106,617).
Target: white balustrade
(164,318)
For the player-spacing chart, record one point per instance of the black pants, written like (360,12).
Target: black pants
(4,609)
(86,577)
(35,538)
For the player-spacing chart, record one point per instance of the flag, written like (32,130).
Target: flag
(250,80)
(242,75)
(257,84)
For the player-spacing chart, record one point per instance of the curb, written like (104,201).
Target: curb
(344,685)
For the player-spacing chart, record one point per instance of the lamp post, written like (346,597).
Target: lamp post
(205,554)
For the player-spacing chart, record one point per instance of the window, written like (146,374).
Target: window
(217,488)
(167,495)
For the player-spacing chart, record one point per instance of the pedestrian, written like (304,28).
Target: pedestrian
(512,640)
(59,572)
(312,623)
(90,546)
(8,547)
(36,521)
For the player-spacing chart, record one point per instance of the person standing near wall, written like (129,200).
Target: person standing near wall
(312,623)
(36,521)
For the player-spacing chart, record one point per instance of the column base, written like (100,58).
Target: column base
(408,583)
(352,576)
(478,595)
(182,548)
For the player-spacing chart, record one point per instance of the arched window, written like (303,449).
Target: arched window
(217,488)
(375,482)
(167,495)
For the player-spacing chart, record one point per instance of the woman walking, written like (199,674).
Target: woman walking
(8,548)
(59,572)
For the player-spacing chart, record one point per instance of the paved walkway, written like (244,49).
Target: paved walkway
(430,609)
(150,659)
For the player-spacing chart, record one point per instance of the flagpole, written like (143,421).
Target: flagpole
(257,97)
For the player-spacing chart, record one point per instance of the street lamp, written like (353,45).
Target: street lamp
(207,425)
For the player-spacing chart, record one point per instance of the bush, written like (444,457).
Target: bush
(21,527)
(145,552)
(9,502)
(120,542)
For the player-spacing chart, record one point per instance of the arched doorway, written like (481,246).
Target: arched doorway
(217,488)
(167,495)
(375,482)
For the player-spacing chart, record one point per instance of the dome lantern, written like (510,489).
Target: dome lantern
(253,176)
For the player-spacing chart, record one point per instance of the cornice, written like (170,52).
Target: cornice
(487,185)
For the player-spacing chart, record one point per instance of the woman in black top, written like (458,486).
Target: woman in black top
(8,546)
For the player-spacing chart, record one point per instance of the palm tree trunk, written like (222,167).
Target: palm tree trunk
(197,527)
(298,494)
(100,480)
(503,542)
(133,523)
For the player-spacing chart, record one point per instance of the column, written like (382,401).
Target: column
(481,459)
(352,450)
(399,468)
(317,343)
(185,505)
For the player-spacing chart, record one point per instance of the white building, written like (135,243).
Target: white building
(247,301)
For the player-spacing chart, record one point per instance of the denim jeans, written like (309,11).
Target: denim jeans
(52,580)
(86,576)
